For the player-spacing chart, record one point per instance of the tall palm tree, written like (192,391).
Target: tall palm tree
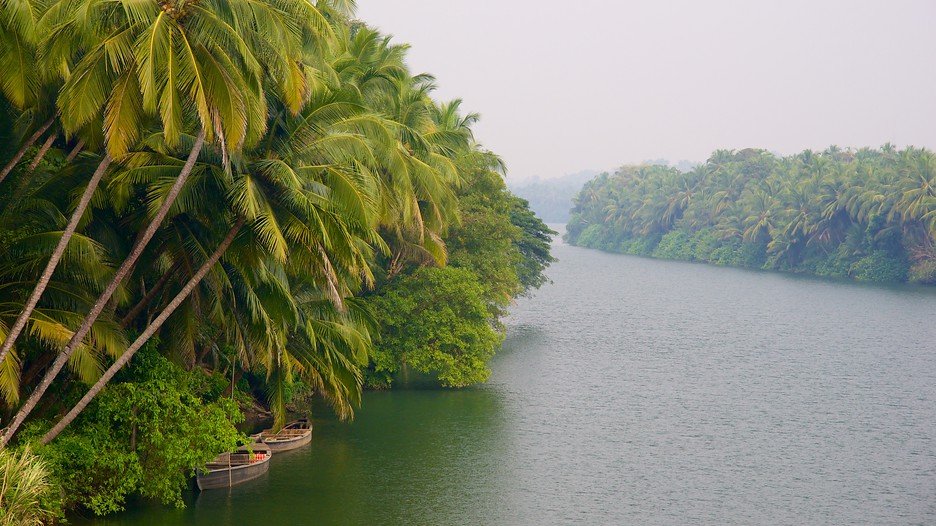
(225,95)
(147,333)
(99,305)
(57,254)
(21,31)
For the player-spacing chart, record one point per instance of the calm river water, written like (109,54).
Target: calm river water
(636,391)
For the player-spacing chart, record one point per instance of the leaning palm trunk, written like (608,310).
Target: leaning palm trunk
(42,152)
(46,276)
(28,176)
(148,297)
(146,335)
(101,302)
(22,151)
(75,151)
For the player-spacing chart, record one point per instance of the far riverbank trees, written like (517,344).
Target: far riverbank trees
(861,214)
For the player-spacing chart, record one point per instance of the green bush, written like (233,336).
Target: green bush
(640,246)
(706,243)
(752,254)
(625,246)
(677,244)
(837,264)
(589,237)
(880,266)
(143,435)
(436,321)
(733,252)
(573,231)
(645,246)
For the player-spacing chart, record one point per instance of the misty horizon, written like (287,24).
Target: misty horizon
(620,83)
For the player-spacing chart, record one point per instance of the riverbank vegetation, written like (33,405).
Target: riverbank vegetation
(209,206)
(27,497)
(867,215)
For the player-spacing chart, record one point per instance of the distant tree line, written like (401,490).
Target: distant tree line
(551,199)
(868,214)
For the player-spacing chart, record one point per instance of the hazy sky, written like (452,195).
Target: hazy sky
(564,86)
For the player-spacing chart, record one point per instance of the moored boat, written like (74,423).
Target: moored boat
(230,469)
(293,435)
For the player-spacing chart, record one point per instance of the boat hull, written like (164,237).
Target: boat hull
(278,446)
(293,435)
(226,478)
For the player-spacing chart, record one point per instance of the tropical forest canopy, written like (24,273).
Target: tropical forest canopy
(213,206)
(865,214)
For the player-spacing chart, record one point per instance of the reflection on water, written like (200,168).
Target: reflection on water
(637,391)
(410,456)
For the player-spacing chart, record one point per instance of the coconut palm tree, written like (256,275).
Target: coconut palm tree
(303,168)
(188,58)
(20,323)
(21,84)
(147,333)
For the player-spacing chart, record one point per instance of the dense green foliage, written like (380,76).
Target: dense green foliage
(868,215)
(445,322)
(435,320)
(144,435)
(203,193)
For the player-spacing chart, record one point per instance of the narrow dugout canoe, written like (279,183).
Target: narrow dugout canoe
(231,469)
(294,435)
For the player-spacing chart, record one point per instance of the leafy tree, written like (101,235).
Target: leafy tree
(533,245)
(435,321)
(145,435)
(503,249)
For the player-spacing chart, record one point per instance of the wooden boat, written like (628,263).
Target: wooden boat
(293,435)
(230,469)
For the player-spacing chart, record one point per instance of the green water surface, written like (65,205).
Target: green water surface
(636,391)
